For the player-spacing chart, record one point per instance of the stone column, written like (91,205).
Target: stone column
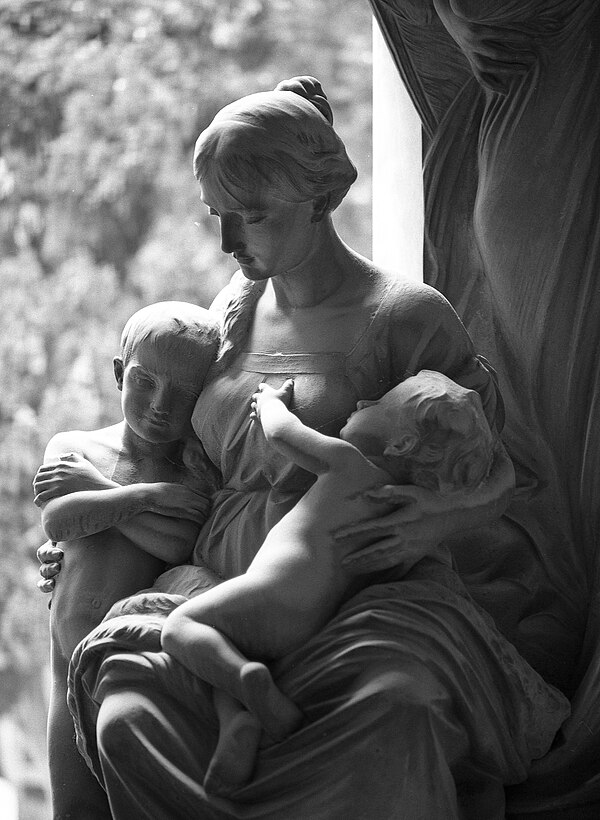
(397,169)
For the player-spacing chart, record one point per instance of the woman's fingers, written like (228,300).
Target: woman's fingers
(384,554)
(201,505)
(49,570)
(407,507)
(49,552)
(46,585)
(400,494)
(49,555)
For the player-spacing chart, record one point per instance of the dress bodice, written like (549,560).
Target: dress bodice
(327,386)
(259,484)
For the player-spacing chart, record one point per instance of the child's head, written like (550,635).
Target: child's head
(166,351)
(427,431)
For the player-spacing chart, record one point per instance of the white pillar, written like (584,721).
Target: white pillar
(9,801)
(397,169)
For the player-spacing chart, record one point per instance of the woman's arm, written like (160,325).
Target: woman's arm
(425,333)
(424,517)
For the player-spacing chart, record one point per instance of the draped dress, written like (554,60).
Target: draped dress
(408,692)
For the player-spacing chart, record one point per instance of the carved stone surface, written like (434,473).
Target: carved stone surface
(507,93)
(414,705)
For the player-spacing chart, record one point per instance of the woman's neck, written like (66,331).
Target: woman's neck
(320,274)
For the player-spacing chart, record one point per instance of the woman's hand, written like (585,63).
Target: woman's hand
(422,518)
(69,473)
(50,557)
(266,393)
(176,501)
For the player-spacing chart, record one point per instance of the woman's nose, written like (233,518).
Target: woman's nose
(362,404)
(232,237)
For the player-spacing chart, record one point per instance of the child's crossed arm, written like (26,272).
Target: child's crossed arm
(161,518)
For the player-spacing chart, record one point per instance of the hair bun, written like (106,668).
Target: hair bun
(310,89)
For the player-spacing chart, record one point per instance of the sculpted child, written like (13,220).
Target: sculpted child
(427,431)
(142,492)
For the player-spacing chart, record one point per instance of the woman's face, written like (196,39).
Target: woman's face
(266,235)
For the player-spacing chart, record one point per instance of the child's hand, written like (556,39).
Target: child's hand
(69,473)
(177,501)
(265,394)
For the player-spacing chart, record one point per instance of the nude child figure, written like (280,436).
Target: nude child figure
(122,503)
(426,431)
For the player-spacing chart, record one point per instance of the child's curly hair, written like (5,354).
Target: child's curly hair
(452,448)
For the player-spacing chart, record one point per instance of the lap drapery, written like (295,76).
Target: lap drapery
(408,691)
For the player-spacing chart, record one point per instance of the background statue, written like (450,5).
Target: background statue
(507,93)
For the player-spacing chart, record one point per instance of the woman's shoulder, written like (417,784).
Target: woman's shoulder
(233,290)
(407,297)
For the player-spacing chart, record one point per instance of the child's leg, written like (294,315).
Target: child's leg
(239,737)
(75,791)
(214,658)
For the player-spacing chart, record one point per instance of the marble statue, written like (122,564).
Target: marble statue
(426,431)
(139,501)
(412,704)
(507,93)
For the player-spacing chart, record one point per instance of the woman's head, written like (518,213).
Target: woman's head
(280,142)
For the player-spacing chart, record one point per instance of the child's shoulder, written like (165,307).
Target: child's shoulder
(344,457)
(84,442)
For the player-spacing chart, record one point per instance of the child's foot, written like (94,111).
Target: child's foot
(278,714)
(234,758)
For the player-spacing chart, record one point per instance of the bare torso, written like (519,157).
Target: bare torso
(100,569)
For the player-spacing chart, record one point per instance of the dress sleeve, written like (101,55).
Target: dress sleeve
(425,333)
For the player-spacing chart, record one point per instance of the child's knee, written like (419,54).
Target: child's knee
(172,631)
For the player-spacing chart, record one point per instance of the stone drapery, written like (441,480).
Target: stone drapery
(507,93)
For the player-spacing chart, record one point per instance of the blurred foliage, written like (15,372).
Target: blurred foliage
(100,104)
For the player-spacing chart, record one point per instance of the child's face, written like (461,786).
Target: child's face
(376,424)
(160,390)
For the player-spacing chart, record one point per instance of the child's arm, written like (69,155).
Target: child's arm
(62,489)
(87,512)
(168,538)
(301,444)
(66,470)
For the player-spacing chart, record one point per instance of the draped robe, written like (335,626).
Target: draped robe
(508,93)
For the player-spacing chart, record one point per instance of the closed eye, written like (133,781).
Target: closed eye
(143,381)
